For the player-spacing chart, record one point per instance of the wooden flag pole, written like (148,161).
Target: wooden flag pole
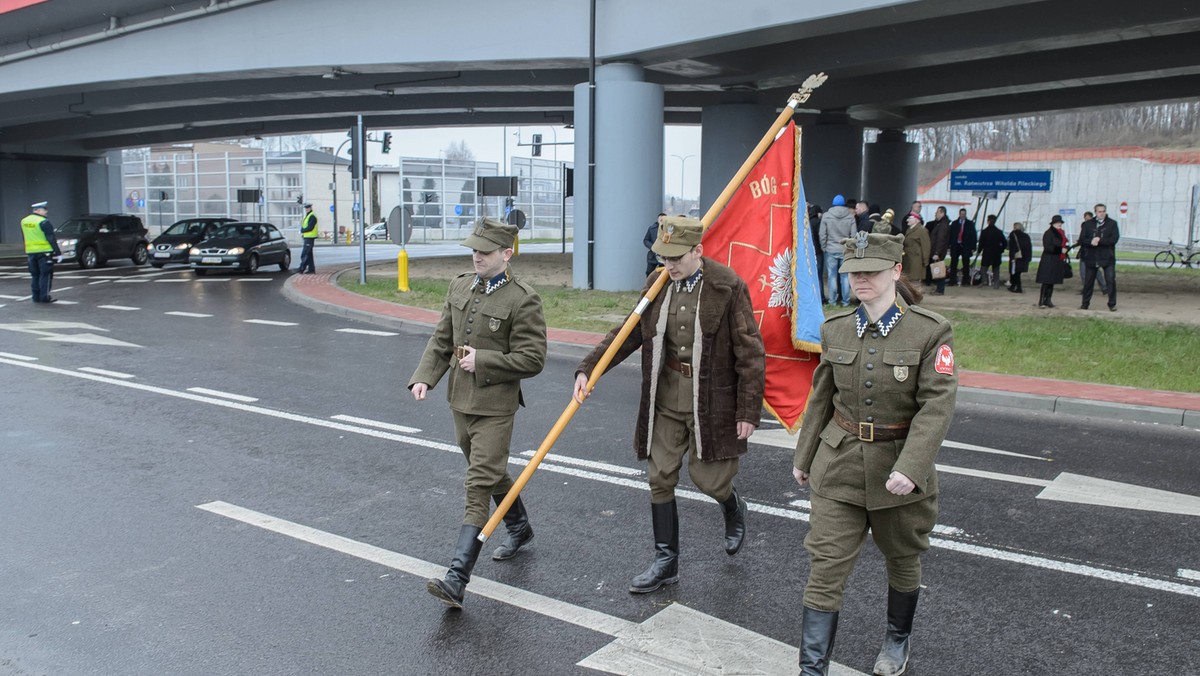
(789,110)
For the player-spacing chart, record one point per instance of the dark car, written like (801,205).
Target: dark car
(93,239)
(174,245)
(241,246)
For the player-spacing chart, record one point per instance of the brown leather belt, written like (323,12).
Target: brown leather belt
(675,365)
(866,431)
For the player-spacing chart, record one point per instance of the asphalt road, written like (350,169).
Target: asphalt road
(280,518)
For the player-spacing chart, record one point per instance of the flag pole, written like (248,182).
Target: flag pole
(768,138)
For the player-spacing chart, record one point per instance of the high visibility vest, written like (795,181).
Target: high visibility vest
(304,223)
(35,238)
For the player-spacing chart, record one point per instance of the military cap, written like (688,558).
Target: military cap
(490,235)
(874,251)
(40,205)
(677,235)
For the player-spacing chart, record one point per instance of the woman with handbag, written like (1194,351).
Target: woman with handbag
(1020,250)
(1053,267)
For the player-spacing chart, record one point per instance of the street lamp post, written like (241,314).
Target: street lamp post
(682,167)
(333,174)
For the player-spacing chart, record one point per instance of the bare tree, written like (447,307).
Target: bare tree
(458,150)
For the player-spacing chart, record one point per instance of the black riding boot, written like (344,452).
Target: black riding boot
(735,522)
(893,656)
(816,641)
(665,569)
(450,590)
(519,532)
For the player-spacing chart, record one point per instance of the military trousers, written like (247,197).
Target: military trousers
(484,440)
(673,439)
(836,534)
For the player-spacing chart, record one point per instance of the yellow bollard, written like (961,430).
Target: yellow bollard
(402,271)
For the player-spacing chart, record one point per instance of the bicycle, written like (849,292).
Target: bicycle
(1168,256)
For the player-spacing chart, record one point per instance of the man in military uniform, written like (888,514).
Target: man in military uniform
(881,402)
(308,231)
(490,336)
(703,366)
(41,247)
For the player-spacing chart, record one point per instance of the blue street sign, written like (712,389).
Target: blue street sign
(458,210)
(1002,180)
(331,209)
(141,204)
(1066,212)
(357,207)
(129,202)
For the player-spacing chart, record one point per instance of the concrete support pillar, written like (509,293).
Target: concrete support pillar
(629,177)
(890,172)
(831,152)
(728,133)
(65,181)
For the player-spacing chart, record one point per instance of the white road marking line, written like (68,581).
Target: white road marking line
(376,423)
(212,279)
(255,279)
(269,322)
(65,288)
(567,460)
(171,281)
(938,528)
(995,476)
(102,281)
(1087,490)
(224,395)
(67,302)
(131,281)
(176,313)
(20,357)
(994,451)
(105,277)
(368,332)
(1188,574)
(14,297)
(675,640)
(781,438)
(102,372)
(124,308)
(1133,579)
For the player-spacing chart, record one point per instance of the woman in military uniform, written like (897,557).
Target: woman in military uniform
(881,402)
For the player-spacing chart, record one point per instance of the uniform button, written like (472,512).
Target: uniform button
(487,380)
(683,349)
(868,383)
(873,335)
(871,350)
(868,402)
(870,418)
(473,310)
(470,320)
(468,330)
(682,308)
(476,300)
(682,328)
(839,357)
(870,367)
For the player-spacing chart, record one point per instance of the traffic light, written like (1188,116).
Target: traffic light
(537,145)
(387,142)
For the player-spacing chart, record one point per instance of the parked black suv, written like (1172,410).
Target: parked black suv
(177,241)
(92,239)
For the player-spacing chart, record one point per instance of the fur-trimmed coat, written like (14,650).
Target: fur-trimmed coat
(727,386)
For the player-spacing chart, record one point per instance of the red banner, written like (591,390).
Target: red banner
(757,235)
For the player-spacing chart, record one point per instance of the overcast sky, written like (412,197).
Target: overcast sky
(488,144)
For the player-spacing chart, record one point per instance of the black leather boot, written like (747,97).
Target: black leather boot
(519,532)
(735,522)
(816,641)
(665,569)
(893,656)
(450,590)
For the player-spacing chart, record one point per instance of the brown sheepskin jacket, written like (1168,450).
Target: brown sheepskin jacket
(728,384)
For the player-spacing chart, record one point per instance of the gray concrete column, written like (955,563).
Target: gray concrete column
(831,162)
(64,181)
(629,176)
(727,135)
(890,171)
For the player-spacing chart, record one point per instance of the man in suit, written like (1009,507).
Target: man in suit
(1098,254)
(962,244)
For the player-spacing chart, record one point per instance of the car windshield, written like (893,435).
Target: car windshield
(186,228)
(78,226)
(237,230)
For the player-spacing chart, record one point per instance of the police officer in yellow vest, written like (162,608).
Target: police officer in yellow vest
(41,247)
(308,230)
(491,335)
(881,402)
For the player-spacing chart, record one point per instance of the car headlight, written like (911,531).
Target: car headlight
(182,245)
(237,251)
(194,252)
(67,243)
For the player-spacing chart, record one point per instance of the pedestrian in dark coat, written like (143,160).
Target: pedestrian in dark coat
(962,245)
(1052,266)
(648,241)
(1098,239)
(939,241)
(1020,250)
(991,251)
(703,369)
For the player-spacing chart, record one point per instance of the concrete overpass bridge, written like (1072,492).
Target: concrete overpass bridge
(80,80)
